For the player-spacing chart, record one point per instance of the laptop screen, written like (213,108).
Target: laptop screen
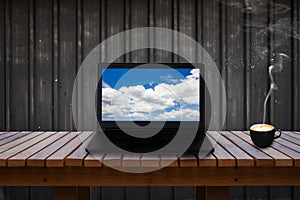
(150,94)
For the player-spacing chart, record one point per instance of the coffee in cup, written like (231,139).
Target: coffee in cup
(263,135)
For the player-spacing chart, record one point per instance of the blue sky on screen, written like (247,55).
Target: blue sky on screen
(150,94)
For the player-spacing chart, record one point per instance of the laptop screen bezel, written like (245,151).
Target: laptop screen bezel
(168,124)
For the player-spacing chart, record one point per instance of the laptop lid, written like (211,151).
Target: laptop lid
(166,94)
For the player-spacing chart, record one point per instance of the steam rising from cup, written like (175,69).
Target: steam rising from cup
(276,66)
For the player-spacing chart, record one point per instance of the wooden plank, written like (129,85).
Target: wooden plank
(188,161)
(131,160)
(279,158)
(242,158)
(208,161)
(210,35)
(2,64)
(150,160)
(38,159)
(71,193)
(281,102)
(288,144)
(19,83)
(207,193)
(20,158)
(112,160)
(162,18)
(138,18)
(296,132)
(57,159)
(93,160)
(115,192)
(15,136)
(290,138)
(257,49)
(44,193)
(234,66)
(186,25)
(169,160)
(113,23)
(224,159)
(137,192)
(66,72)
(183,192)
(293,154)
(7,134)
(161,193)
(188,176)
(42,66)
(21,147)
(20,140)
(292,134)
(261,159)
(77,157)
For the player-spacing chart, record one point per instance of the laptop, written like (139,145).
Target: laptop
(142,108)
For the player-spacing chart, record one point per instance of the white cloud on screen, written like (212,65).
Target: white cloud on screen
(139,103)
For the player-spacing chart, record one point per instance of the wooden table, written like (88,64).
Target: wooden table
(59,159)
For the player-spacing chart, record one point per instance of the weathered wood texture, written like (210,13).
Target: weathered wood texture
(42,44)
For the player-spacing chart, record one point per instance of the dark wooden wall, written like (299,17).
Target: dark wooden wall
(42,44)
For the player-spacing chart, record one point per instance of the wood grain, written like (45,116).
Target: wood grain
(20,158)
(13,137)
(242,158)
(131,160)
(150,160)
(76,158)
(112,159)
(261,159)
(208,161)
(188,161)
(170,176)
(39,158)
(23,146)
(6,134)
(169,160)
(18,141)
(93,160)
(57,159)
(279,158)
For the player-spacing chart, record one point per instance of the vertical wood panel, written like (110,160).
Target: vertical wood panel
(113,193)
(43,77)
(2,65)
(237,193)
(296,63)
(137,193)
(165,193)
(258,52)
(67,63)
(96,193)
(19,93)
(281,192)
(138,18)
(281,43)
(187,25)
(115,23)
(209,36)
(37,193)
(235,66)
(17,193)
(254,192)
(184,193)
(162,18)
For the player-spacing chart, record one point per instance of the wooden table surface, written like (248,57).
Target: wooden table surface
(60,159)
